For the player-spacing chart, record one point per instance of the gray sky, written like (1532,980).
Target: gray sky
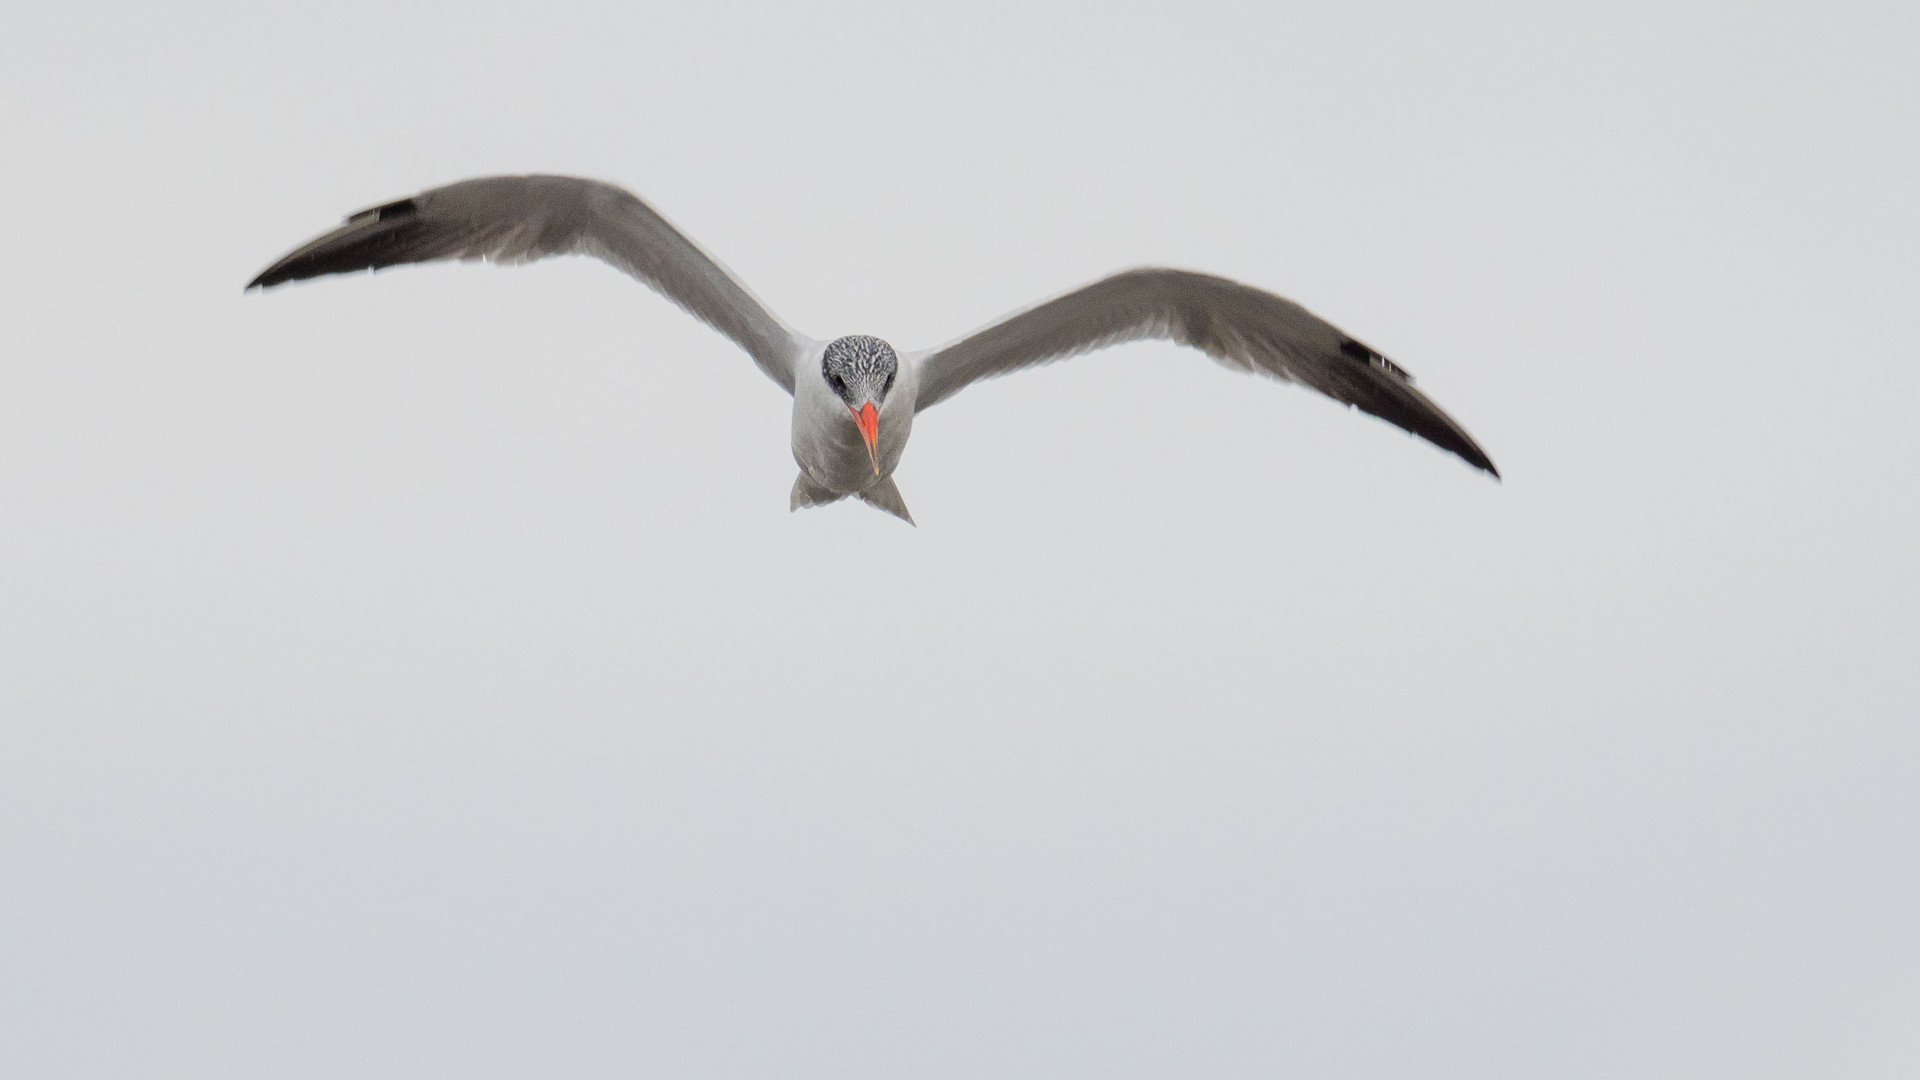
(421,675)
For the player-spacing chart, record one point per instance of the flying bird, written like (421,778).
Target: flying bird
(855,397)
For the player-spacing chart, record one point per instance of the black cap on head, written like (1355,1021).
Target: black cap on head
(859,368)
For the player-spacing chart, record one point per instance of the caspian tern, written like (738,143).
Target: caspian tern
(854,398)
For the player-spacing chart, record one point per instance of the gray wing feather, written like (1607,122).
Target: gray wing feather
(1238,325)
(513,219)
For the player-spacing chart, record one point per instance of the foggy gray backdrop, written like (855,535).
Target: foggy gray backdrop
(421,675)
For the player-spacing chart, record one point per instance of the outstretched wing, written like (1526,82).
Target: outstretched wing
(1235,324)
(512,219)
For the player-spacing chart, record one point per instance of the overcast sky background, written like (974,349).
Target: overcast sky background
(421,675)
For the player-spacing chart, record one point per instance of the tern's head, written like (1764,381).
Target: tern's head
(860,371)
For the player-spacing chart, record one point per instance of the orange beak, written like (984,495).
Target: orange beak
(869,420)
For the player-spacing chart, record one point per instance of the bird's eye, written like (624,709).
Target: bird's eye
(839,384)
(887,389)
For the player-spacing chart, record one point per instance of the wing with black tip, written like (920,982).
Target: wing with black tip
(1236,324)
(513,219)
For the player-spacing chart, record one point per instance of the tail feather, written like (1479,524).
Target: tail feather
(881,496)
(886,496)
(808,494)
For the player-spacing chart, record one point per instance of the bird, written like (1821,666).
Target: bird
(855,397)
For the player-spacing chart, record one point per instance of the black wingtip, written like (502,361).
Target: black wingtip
(273,275)
(289,267)
(1445,434)
(1468,451)
(355,245)
(1449,437)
